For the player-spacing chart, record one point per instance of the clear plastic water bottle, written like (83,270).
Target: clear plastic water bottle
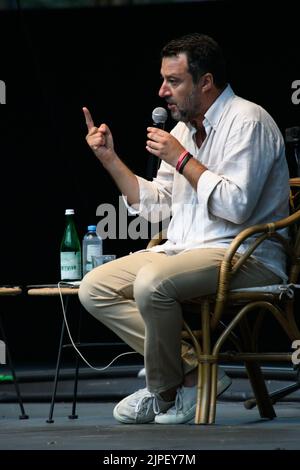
(70,250)
(91,246)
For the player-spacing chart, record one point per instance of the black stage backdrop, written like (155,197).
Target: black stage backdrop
(53,62)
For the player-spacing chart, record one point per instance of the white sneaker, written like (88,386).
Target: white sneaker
(185,404)
(140,407)
(142,373)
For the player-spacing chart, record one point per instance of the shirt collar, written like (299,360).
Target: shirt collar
(214,113)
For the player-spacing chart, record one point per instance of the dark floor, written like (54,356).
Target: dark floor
(96,430)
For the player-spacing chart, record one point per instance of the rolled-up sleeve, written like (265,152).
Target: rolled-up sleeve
(155,196)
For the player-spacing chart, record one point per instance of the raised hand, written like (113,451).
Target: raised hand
(99,139)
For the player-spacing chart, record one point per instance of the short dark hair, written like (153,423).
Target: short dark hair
(203,55)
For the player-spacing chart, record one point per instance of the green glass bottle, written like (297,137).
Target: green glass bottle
(70,251)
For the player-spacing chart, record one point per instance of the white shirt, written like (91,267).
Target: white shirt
(246,182)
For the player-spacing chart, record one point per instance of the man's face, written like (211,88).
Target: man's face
(179,91)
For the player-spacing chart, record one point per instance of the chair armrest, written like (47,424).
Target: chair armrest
(227,269)
(266,230)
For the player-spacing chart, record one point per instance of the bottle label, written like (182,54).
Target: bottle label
(92,250)
(70,265)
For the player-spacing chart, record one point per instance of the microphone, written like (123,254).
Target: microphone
(159,117)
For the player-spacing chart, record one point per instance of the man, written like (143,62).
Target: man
(223,169)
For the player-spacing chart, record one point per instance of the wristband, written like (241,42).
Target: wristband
(184,162)
(181,157)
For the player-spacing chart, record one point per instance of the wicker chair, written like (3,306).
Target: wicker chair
(231,306)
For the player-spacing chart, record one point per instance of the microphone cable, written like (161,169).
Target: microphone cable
(60,284)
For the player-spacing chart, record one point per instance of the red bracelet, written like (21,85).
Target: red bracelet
(181,157)
(184,162)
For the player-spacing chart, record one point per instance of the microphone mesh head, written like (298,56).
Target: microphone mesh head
(159,115)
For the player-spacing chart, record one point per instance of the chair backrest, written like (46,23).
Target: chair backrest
(294,266)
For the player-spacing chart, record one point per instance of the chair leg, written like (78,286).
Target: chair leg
(213,400)
(57,369)
(205,395)
(260,391)
(23,415)
(276,395)
(205,392)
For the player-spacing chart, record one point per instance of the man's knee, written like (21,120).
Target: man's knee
(92,288)
(86,291)
(147,284)
(97,291)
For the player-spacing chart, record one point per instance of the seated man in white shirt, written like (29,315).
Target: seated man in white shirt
(223,168)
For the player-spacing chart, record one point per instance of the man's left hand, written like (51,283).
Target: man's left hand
(163,145)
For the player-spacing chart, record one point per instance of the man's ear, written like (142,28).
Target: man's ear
(207,82)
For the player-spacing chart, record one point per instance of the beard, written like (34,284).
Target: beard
(186,111)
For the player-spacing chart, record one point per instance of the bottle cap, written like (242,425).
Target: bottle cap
(92,228)
(69,212)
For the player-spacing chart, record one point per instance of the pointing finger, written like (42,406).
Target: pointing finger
(88,119)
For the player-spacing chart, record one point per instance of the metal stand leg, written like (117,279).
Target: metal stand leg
(74,415)
(58,362)
(16,384)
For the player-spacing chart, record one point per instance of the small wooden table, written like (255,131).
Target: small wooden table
(6,291)
(52,290)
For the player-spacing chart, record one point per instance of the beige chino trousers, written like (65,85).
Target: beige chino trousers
(139,298)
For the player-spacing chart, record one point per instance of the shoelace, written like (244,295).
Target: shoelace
(288,290)
(142,392)
(179,400)
(156,407)
(142,400)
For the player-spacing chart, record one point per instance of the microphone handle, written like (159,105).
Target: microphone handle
(154,162)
